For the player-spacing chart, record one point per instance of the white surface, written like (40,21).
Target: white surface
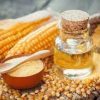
(34,16)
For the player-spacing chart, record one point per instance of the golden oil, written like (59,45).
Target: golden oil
(73,61)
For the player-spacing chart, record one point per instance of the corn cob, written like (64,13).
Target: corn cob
(43,38)
(9,39)
(21,26)
(14,30)
(15,37)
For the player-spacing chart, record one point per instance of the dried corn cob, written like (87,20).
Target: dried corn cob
(18,32)
(15,37)
(14,30)
(40,39)
(10,38)
(21,26)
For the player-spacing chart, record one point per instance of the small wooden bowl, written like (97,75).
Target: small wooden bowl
(23,82)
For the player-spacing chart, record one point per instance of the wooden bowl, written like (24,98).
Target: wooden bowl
(23,80)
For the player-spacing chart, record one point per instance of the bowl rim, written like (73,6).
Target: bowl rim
(22,63)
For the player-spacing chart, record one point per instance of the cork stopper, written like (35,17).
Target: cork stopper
(74,20)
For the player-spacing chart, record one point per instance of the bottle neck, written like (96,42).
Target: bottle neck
(82,34)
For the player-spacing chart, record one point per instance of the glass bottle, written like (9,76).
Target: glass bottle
(73,46)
